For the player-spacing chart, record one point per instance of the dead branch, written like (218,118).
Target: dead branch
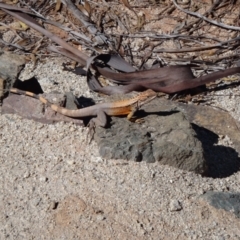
(32,23)
(100,37)
(198,15)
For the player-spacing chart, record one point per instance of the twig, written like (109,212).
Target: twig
(101,39)
(198,15)
(197,49)
(32,23)
(12,44)
(196,22)
(220,45)
(162,36)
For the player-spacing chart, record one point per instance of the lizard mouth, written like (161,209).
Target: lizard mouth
(146,101)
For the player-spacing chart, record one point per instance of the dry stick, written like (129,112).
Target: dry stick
(220,45)
(14,8)
(12,44)
(64,52)
(206,19)
(37,14)
(81,35)
(214,5)
(168,8)
(164,36)
(100,37)
(215,60)
(32,23)
(197,49)
(67,29)
(25,18)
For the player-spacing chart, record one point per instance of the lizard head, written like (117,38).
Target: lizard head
(146,97)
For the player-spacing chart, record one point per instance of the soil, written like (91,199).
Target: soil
(55,185)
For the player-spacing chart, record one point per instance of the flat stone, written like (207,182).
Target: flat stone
(31,108)
(223,200)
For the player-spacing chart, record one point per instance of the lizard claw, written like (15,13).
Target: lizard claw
(139,120)
(91,130)
(134,119)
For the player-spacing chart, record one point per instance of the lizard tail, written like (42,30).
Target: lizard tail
(41,99)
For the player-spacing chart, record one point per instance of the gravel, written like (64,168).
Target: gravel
(55,185)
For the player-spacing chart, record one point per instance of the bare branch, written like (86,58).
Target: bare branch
(32,23)
(206,19)
(100,37)
(197,49)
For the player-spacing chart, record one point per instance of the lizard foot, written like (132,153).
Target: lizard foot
(136,120)
(139,120)
(91,131)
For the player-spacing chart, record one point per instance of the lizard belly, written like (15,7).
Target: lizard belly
(119,111)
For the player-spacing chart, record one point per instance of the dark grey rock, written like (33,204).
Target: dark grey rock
(222,200)
(124,141)
(175,143)
(166,137)
(70,101)
(215,120)
(209,123)
(10,67)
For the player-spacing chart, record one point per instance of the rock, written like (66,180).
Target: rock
(30,85)
(31,108)
(175,205)
(10,68)
(124,141)
(55,98)
(217,121)
(211,125)
(175,143)
(70,101)
(69,210)
(223,200)
(166,137)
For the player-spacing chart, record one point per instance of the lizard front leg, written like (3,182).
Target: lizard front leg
(133,118)
(130,116)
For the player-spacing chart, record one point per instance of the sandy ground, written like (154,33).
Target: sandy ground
(54,184)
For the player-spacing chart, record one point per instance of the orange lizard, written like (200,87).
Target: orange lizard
(125,106)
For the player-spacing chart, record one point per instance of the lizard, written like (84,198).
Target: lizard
(120,107)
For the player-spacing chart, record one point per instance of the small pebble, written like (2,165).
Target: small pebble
(175,206)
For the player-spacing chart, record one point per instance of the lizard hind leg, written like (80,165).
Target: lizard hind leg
(91,130)
(100,120)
